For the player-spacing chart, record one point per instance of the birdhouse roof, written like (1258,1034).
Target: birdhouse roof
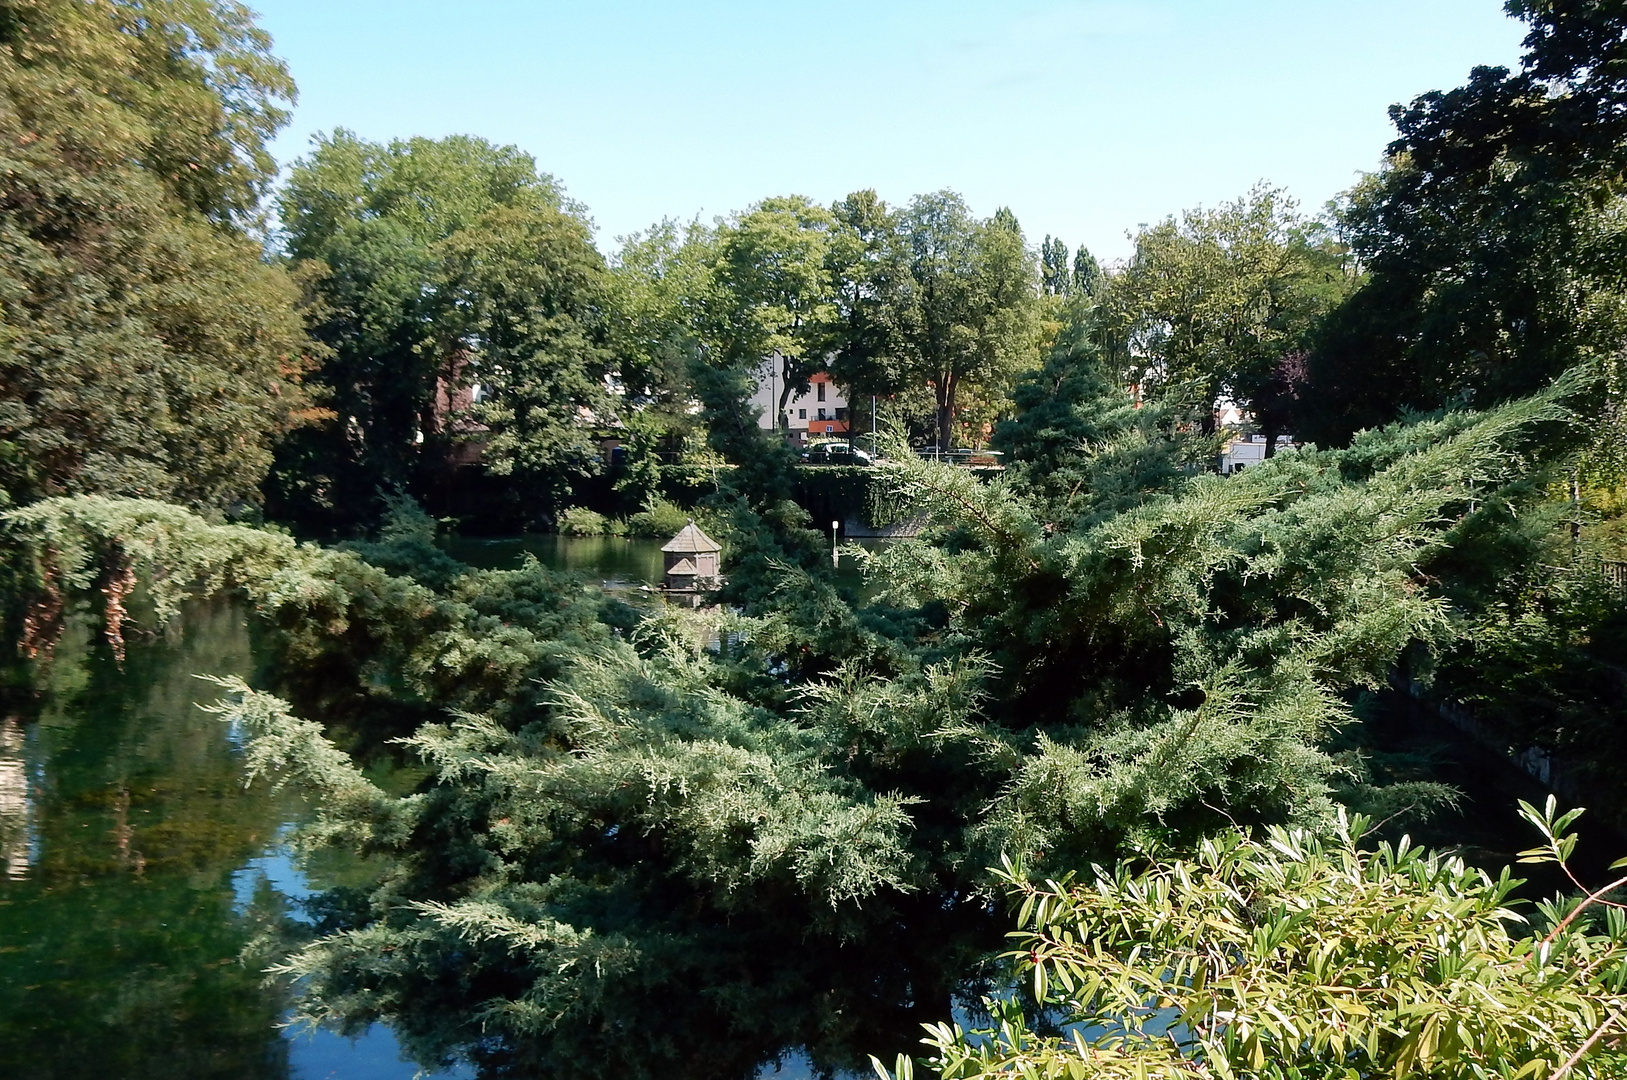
(691,541)
(683,568)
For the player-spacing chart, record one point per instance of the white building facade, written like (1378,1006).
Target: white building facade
(817,416)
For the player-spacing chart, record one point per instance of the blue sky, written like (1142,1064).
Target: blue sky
(1086,118)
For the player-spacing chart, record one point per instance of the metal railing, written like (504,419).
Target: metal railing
(1616,574)
(963,455)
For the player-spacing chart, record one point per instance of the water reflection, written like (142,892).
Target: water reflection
(143,886)
(610,559)
(16,811)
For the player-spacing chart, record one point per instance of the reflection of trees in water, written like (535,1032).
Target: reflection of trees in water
(16,838)
(122,820)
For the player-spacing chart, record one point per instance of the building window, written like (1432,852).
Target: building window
(821,414)
(802,414)
(821,391)
(841,413)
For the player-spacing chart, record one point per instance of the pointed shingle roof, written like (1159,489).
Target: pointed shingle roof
(690,541)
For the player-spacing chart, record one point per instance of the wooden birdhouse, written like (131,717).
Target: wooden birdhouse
(691,569)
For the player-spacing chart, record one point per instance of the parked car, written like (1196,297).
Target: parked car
(834,453)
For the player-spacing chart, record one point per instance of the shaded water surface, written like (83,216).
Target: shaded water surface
(138,876)
(607,558)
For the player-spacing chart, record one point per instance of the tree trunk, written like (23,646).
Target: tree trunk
(946,412)
(1209,422)
(1270,439)
(785,395)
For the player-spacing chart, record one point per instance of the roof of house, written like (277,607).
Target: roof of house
(691,541)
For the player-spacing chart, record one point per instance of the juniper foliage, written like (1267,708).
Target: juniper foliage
(358,646)
(679,845)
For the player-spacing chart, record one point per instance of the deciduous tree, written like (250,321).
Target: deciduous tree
(1491,237)
(968,312)
(146,346)
(1222,297)
(774,301)
(445,264)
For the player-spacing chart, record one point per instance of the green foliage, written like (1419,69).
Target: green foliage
(287,750)
(659,279)
(359,645)
(620,824)
(659,518)
(1087,274)
(1224,298)
(1054,273)
(926,305)
(842,493)
(655,843)
(625,862)
(1082,444)
(1300,955)
(580,521)
(406,547)
(444,264)
(146,349)
(1490,238)
(1541,662)
(773,298)
(189,90)
(872,280)
(1192,650)
(528,285)
(970,318)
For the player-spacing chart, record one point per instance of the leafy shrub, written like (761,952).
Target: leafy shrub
(660,519)
(688,483)
(580,521)
(1301,955)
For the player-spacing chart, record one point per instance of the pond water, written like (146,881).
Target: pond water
(611,559)
(137,876)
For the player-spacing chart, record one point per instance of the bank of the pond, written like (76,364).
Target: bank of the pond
(143,886)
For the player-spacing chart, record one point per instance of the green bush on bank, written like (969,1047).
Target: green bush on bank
(659,519)
(580,521)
